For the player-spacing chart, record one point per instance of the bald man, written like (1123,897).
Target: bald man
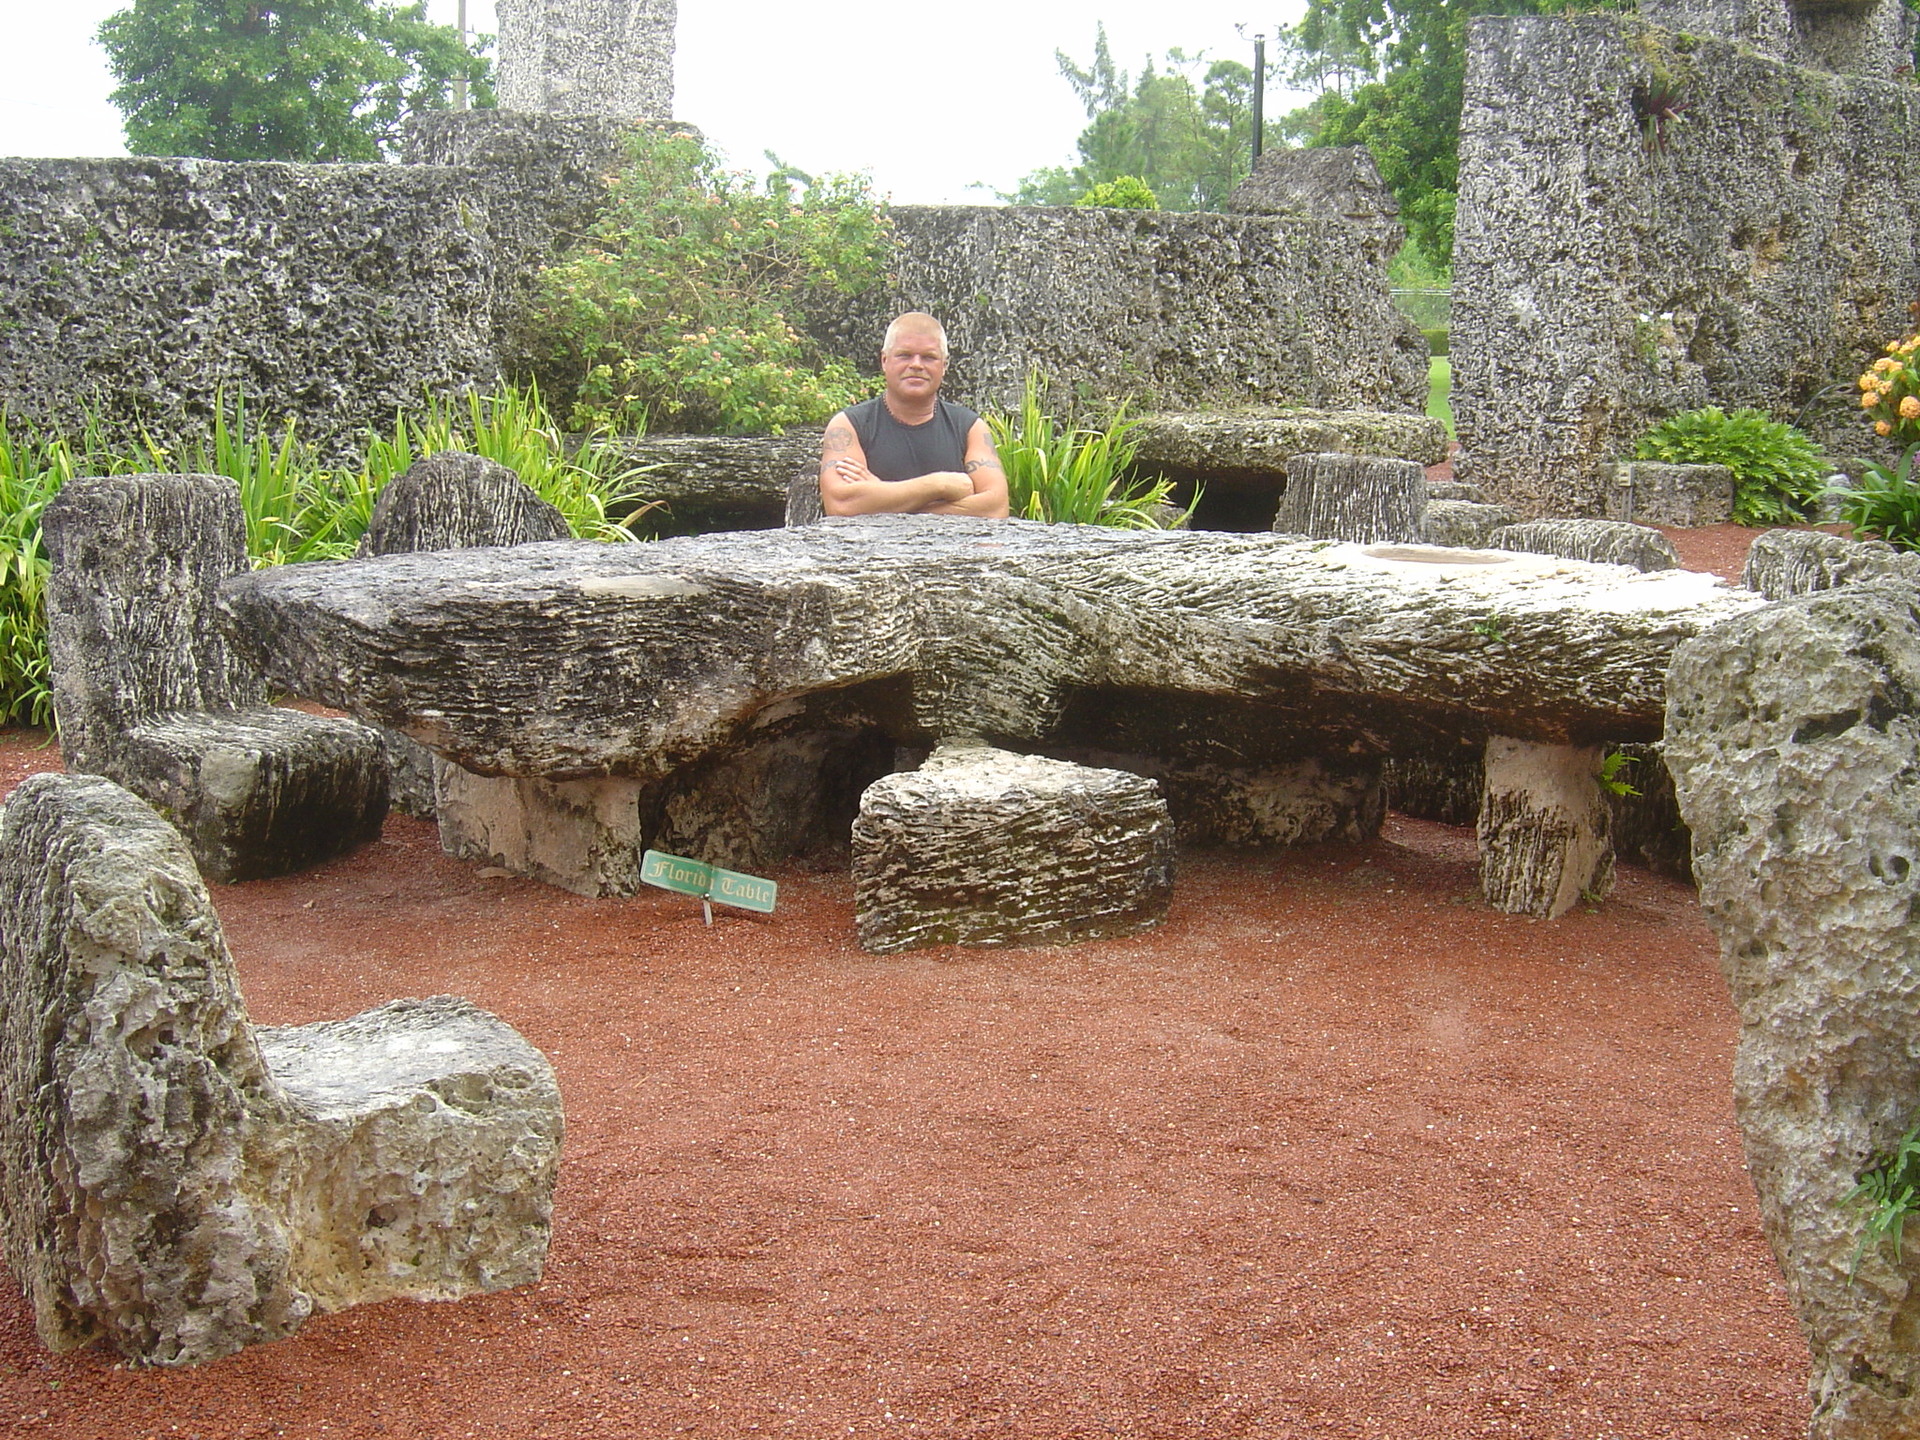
(908,452)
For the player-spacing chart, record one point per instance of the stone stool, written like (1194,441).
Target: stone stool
(984,847)
(1361,498)
(1599,542)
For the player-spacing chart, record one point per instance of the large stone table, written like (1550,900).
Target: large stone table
(730,694)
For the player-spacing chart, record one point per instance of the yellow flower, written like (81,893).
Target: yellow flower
(1910,408)
(1867,381)
(1869,400)
(1881,427)
(1884,364)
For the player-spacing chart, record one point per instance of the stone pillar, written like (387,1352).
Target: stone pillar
(1544,828)
(1353,497)
(1793,735)
(608,58)
(582,835)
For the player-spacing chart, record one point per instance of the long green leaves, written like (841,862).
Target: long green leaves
(1077,476)
(296,507)
(1886,502)
(1886,1191)
(32,470)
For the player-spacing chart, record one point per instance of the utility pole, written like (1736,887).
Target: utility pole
(460,80)
(1259,90)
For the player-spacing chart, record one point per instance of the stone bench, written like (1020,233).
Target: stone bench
(179,1184)
(1598,542)
(982,847)
(1785,563)
(1240,459)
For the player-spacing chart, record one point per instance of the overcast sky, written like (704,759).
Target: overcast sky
(927,99)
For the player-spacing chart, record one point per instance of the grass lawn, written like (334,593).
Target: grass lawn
(1439,382)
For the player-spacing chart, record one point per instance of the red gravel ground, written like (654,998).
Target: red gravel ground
(1334,1152)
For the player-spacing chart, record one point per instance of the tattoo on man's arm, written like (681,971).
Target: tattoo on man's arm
(993,464)
(837,441)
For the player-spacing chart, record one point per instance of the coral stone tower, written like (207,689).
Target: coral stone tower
(607,58)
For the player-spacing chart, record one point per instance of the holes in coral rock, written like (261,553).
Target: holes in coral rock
(1825,727)
(1893,869)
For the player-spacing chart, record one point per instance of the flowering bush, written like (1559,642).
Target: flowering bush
(683,309)
(1890,392)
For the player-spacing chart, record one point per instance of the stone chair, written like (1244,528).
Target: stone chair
(455,501)
(449,501)
(179,1184)
(148,691)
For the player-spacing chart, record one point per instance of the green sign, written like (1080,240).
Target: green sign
(709,882)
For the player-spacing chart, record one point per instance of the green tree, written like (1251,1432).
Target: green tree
(1393,72)
(1184,130)
(313,80)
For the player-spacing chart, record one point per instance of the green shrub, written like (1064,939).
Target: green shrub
(1128,192)
(684,308)
(1886,501)
(1777,470)
(1077,476)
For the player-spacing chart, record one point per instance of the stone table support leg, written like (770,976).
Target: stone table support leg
(582,835)
(1544,828)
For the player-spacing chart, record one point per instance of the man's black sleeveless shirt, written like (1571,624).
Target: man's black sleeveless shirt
(905,452)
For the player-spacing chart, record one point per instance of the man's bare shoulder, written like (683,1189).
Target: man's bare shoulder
(839,437)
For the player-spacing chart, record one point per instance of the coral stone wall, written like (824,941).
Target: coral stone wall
(1861,37)
(333,293)
(1603,281)
(1182,311)
(340,294)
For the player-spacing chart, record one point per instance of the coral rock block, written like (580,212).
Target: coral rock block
(1793,736)
(983,847)
(179,1185)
